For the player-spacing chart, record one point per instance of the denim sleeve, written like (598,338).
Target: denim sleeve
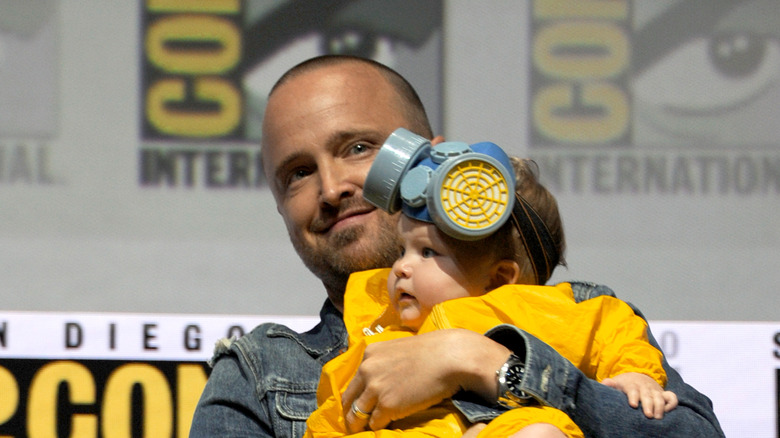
(601,411)
(228,406)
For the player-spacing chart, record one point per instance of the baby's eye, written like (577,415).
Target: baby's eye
(428,252)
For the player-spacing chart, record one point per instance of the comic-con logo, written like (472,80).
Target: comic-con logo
(207,68)
(656,97)
(29,88)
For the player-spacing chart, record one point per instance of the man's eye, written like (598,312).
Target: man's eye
(428,252)
(297,175)
(300,173)
(359,148)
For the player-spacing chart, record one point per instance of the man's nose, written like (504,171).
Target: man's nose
(337,183)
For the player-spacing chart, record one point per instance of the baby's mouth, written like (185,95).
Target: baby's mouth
(405,296)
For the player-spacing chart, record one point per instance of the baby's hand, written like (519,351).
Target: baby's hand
(474,430)
(642,388)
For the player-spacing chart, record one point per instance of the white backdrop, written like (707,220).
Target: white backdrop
(654,123)
(80,232)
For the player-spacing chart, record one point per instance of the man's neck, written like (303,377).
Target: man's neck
(336,296)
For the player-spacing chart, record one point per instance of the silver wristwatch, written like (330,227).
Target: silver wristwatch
(510,379)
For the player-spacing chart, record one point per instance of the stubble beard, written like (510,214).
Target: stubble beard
(334,259)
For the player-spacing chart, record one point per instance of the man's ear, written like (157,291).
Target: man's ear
(436,140)
(505,271)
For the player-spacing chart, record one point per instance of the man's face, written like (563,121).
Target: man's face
(321,132)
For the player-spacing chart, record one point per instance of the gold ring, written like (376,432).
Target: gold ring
(359,414)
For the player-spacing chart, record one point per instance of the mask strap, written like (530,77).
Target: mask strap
(536,238)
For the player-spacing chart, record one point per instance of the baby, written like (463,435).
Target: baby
(478,283)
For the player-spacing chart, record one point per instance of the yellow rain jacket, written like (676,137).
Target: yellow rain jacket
(601,336)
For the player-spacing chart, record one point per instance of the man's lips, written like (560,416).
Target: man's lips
(342,220)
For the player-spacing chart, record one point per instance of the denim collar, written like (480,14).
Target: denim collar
(329,336)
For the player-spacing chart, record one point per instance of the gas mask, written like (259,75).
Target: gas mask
(467,191)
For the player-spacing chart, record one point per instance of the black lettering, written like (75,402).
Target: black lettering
(207,168)
(20,168)
(656,174)
(73,335)
(660,173)
(189,158)
(44,174)
(3,329)
(712,166)
(578,162)
(149,336)
(157,165)
(777,345)
(260,180)
(551,172)
(681,176)
(192,337)
(112,336)
(669,343)
(771,170)
(239,169)
(235,331)
(214,169)
(601,175)
(25,163)
(627,175)
(745,175)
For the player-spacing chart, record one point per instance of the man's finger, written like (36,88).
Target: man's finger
(354,389)
(357,417)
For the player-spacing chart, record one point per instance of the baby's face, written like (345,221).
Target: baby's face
(427,273)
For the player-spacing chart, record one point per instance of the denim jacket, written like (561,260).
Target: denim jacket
(600,411)
(264,385)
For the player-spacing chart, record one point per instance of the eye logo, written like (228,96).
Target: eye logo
(656,97)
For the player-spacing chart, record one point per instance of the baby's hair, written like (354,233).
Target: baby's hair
(506,242)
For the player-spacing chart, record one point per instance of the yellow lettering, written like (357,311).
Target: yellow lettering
(554,116)
(42,412)
(581,50)
(190,381)
(157,414)
(610,9)
(9,401)
(193,44)
(212,6)
(192,123)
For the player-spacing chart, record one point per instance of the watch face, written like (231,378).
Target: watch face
(514,375)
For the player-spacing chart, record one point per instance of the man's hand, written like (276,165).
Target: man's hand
(642,388)
(402,376)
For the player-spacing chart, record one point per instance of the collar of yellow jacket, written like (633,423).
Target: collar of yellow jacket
(367,308)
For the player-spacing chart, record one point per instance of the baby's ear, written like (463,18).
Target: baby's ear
(504,272)
(436,140)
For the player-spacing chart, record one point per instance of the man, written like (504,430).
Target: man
(324,123)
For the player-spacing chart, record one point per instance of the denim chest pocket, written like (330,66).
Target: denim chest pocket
(292,409)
